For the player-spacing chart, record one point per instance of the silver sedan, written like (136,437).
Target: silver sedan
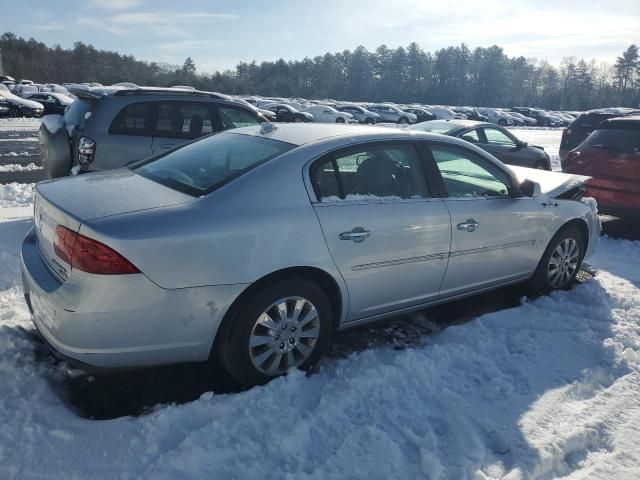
(255,245)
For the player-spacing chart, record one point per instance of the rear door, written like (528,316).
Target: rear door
(495,238)
(178,122)
(387,235)
(128,138)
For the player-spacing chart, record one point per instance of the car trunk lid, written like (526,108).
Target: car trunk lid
(71,201)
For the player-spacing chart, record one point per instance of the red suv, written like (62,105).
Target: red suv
(611,156)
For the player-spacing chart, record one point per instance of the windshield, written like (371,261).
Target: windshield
(202,166)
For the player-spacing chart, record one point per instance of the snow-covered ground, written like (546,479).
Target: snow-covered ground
(548,389)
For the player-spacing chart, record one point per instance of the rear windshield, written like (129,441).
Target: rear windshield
(76,113)
(200,167)
(615,139)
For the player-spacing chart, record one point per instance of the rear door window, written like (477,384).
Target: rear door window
(370,172)
(186,120)
(134,119)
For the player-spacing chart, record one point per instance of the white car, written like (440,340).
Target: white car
(496,116)
(326,114)
(443,113)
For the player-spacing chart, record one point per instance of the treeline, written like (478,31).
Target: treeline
(451,76)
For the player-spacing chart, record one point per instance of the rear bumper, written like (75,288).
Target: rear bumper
(615,202)
(121,321)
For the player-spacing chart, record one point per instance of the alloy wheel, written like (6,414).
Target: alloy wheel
(563,262)
(284,335)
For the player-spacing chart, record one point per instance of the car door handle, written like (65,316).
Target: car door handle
(358,234)
(470,225)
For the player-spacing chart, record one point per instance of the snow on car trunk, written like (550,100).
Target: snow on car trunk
(547,389)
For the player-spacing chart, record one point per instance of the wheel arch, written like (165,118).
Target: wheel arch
(320,277)
(582,227)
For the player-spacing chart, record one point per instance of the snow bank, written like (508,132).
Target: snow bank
(548,389)
(16,194)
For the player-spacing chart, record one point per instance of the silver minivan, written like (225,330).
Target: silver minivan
(108,127)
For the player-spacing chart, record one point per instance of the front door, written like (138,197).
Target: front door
(496,238)
(179,122)
(388,237)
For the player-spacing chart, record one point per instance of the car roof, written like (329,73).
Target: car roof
(456,124)
(83,91)
(630,122)
(305,133)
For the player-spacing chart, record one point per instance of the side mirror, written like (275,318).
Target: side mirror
(522,145)
(530,188)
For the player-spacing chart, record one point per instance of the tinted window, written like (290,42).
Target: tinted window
(497,137)
(132,120)
(200,167)
(468,175)
(615,139)
(183,120)
(232,117)
(391,171)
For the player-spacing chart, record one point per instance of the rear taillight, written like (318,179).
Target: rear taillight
(571,157)
(89,255)
(86,151)
(566,131)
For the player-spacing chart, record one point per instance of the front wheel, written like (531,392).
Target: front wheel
(339,120)
(285,325)
(403,121)
(369,121)
(502,122)
(541,165)
(561,261)
(297,120)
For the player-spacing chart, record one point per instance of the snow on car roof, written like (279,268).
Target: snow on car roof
(303,133)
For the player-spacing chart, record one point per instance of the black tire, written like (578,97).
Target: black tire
(541,165)
(369,121)
(339,120)
(502,122)
(14,112)
(540,279)
(403,121)
(298,120)
(232,340)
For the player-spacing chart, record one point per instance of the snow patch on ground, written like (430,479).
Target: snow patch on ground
(15,154)
(19,168)
(16,195)
(547,389)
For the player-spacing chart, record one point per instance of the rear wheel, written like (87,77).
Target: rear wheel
(285,325)
(502,122)
(339,120)
(561,261)
(14,112)
(369,121)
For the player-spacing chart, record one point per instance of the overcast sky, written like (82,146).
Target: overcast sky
(219,34)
